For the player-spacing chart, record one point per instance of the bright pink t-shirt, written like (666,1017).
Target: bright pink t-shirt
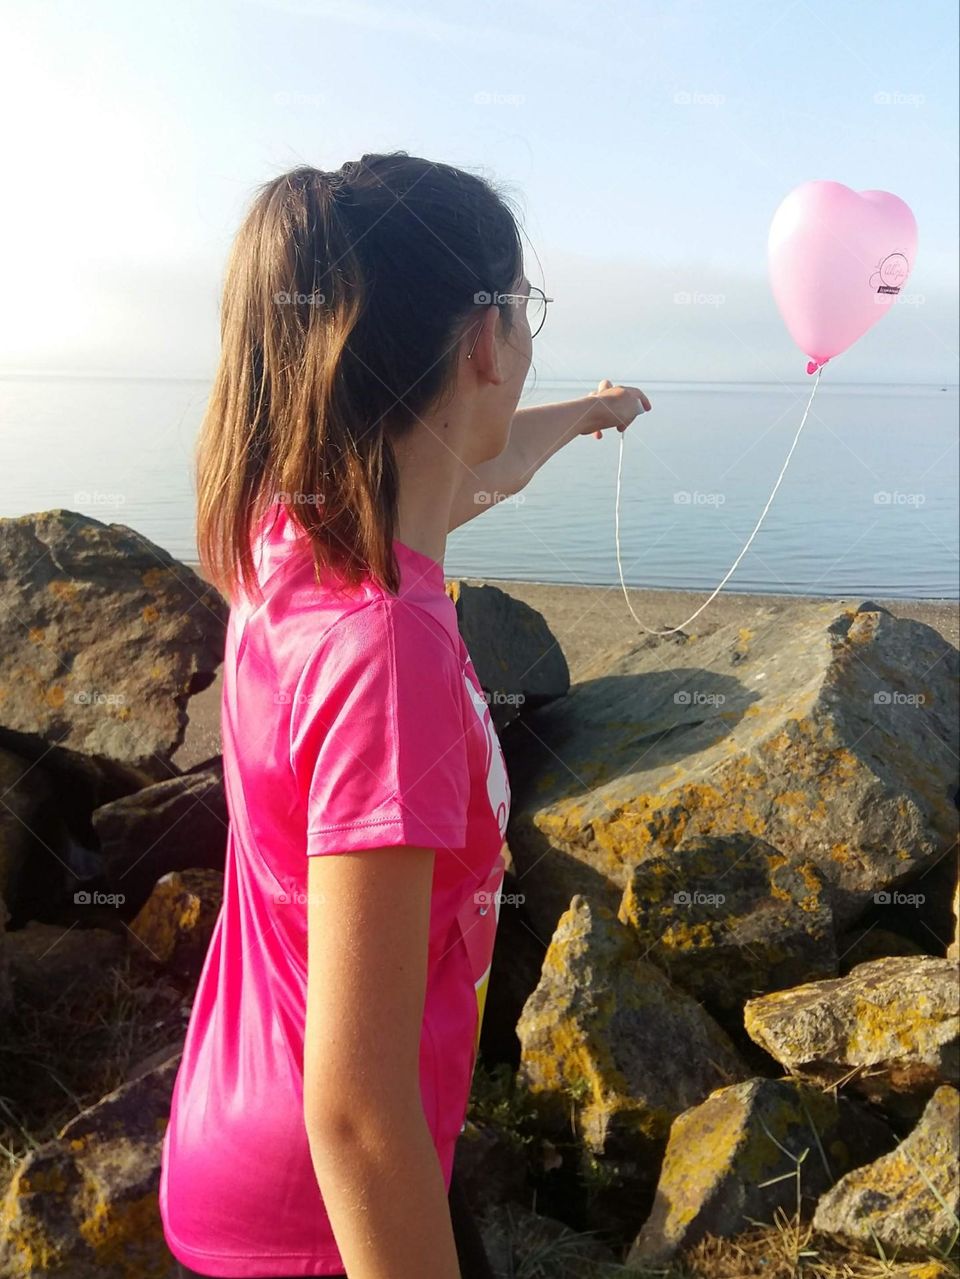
(349,721)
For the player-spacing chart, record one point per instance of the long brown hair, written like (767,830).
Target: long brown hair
(345,298)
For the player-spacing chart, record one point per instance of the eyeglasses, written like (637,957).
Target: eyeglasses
(536,310)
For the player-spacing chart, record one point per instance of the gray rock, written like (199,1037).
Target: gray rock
(85,1205)
(178,824)
(46,960)
(727,918)
(516,657)
(104,636)
(733,1160)
(48,849)
(607,1039)
(890,1026)
(908,1200)
(829,733)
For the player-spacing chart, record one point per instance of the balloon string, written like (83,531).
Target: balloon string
(671,630)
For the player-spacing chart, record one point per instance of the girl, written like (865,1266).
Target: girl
(376,333)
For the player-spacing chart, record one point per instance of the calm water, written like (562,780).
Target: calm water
(868,505)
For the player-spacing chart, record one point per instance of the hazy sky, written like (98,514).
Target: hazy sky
(648,144)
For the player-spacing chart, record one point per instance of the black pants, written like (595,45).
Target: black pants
(474,1263)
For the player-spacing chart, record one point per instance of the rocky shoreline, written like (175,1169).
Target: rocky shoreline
(726,982)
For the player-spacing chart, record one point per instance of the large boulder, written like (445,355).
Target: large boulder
(828,732)
(599,1030)
(729,917)
(48,848)
(46,961)
(177,824)
(104,637)
(741,1154)
(85,1205)
(909,1199)
(516,657)
(890,1026)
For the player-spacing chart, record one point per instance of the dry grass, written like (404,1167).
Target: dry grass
(785,1249)
(59,1059)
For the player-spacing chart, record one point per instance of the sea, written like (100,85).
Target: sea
(868,505)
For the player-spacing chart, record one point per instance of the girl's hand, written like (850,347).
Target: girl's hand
(616,406)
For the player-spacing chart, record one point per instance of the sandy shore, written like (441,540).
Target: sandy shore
(590,620)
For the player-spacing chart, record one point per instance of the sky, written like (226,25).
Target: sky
(647,145)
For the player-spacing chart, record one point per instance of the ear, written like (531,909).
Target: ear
(485,359)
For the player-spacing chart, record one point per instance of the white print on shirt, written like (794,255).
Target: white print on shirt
(498,787)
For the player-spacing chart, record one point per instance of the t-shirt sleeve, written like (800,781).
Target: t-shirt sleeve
(377,735)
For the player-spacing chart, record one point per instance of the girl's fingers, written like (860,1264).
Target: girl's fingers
(635,390)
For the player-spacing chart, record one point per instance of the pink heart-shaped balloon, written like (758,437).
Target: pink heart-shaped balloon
(838,261)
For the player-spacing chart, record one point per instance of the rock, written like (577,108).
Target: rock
(517,961)
(175,925)
(519,1242)
(953,950)
(47,960)
(891,1025)
(48,849)
(596,1033)
(908,1200)
(178,824)
(728,918)
(158,1058)
(85,1205)
(516,657)
(729,1161)
(6,988)
(795,732)
(489,1167)
(860,945)
(104,637)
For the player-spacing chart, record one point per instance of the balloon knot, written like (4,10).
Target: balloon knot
(813,365)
